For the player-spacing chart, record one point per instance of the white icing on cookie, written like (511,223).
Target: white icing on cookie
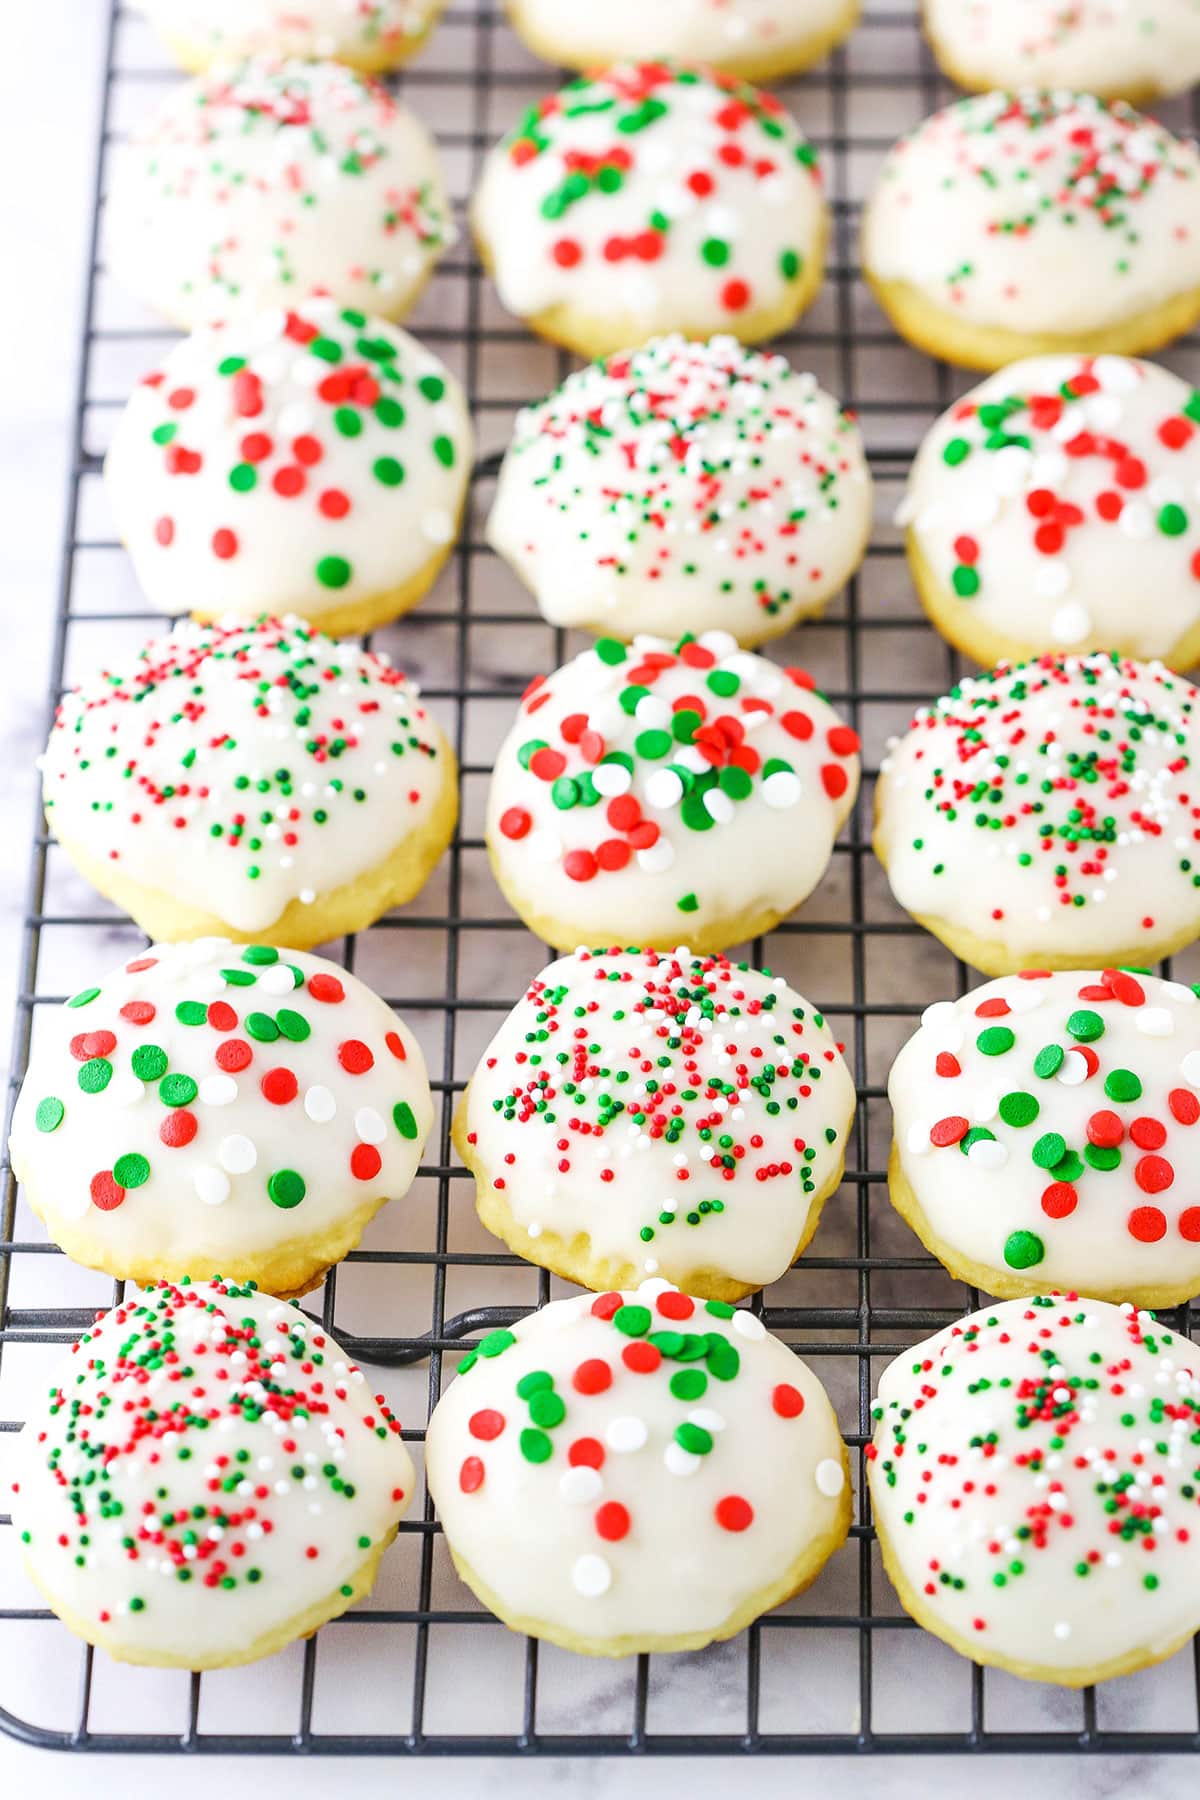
(1037,212)
(1050,808)
(370,33)
(664,199)
(289,462)
(1033,1475)
(650,794)
(240,767)
(263,182)
(1083,1182)
(207,1469)
(723,32)
(706,1105)
(1094,46)
(633,1467)
(209,1102)
(1053,498)
(684,486)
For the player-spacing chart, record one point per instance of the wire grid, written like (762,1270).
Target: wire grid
(841,1669)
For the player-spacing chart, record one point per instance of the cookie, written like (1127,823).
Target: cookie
(1055,508)
(661,793)
(213,1107)
(312,461)
(1032,1480)
(684,486)
(650,198)
(1074,1100)
(254,781)
(371,35)
(1012,225)
(1043,816)
(761,40)
(208,1480)
(691,1126)
(1123,51)
(636,1472)
(269,180)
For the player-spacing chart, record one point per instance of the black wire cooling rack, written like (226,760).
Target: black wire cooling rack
(419,1669)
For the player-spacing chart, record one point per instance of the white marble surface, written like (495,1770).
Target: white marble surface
(809,1679)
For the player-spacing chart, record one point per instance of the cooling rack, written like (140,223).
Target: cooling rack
(420,1669)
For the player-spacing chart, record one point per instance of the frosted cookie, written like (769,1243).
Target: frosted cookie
(1045,815)
(641,1471)
(1074,1100)
(650,199)
(266,181)
(762,40)
(1120,49)
(1055,507)
(213,1107)
(684,487)
(1022,224)
(1032,1479)
(313,461)
(208,1480)
(639,1114)
(367,34)
(258,782)
(663,792)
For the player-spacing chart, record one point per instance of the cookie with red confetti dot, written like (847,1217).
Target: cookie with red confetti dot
(208,1479)
(1091,46)
(1033,1481)
(1020,224)
(1047,815)
(639,1114)
(313,461)
(212,1106)
(659,793)
(681,487)
(1046,504)
(652,198)
(268,180)
(762,40)
(1047,1135)
(637,1471)
(371,35)
(257,781)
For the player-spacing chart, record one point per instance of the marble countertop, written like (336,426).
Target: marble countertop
(44,220)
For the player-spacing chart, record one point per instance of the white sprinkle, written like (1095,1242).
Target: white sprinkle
(218,1090)
(320,1105)
(611,779)
(212,1186)
(987,1154)
(626,1433)
(591,1576)
(706,1418)
(680,1461)
(579,1486)
(278,979)
(781,790)
(664,789)
(748,1325)
(1070,624)
(1074,1070)
(1154,1021)
(237,1154)
(369,1125)
(1189,1068)
(830,1476)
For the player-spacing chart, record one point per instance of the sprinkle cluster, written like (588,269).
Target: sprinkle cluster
(658,1336)
(260,739)
(234,1421)
(1050,1443)
(716,1076)
(703,467)
(1070,758)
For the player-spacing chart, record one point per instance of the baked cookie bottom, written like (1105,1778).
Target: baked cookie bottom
(372,59)
(994,958)
(761,66)
(294,1266)
(958,622)
(799,1575)
(957,340)
(351,907)
(107,1637)
(1012,1284)
(1144,1657)
(575,1260)
(594,336)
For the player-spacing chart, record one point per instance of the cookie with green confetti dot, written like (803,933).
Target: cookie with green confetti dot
(1120,53)
(269,1487)
(214,1102)
(619,1441)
